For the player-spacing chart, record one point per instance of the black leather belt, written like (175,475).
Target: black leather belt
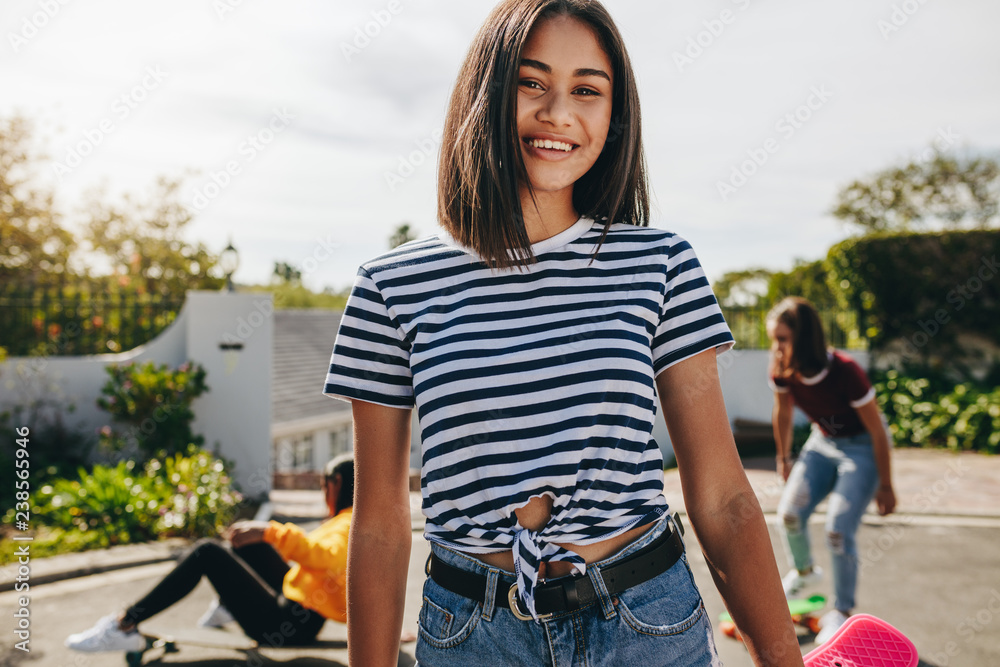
(568,593)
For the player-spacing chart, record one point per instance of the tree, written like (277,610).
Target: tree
(742,288)
(805,279)
(286,273)
(34,247)
(951,190)
(143,241)
(403,234)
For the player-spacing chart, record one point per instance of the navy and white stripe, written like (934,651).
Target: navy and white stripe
(529,383)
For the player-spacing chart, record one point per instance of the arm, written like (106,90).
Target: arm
(323,549)
(724,511)
(243,533)
(379,547)
(870,416)
(781,421)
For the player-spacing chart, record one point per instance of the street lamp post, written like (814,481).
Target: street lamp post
(229,261)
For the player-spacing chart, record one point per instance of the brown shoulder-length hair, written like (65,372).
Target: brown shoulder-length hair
(481,164)
(809,355)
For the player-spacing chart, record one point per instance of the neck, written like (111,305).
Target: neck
(549,214)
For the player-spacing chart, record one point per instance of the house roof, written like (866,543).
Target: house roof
(303,343)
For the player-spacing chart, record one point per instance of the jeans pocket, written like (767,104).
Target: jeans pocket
(446,619)
(668,604)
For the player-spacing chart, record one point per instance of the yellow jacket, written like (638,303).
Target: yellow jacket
(318,579)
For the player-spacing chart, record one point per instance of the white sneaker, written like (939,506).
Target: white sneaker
(106,636)
(829,624)
(216,616)
(794,583)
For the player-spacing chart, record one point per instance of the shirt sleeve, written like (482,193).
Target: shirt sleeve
(371,356)
(857,387)
(323,549)
(690,318)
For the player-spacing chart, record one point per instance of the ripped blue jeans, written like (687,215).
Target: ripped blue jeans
(844,469)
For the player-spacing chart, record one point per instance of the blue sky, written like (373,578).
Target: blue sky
(300,120)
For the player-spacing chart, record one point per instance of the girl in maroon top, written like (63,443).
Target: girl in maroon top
(846,456)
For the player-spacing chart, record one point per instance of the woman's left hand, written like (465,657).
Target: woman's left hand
(885,499)
(243,533)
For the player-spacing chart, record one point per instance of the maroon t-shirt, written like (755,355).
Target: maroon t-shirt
(830,397)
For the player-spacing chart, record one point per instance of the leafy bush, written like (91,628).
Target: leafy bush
(935,412)
(196,496)
(924,289)
(40,404)
(156,403)
(185,495)
(115,503)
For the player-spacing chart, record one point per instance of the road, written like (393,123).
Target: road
(936,579)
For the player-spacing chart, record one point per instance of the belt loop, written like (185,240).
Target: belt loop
(676,517)
(602,592)
(489,603)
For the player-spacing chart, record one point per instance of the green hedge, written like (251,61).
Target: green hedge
(184,495)
(931,411)
(922,288)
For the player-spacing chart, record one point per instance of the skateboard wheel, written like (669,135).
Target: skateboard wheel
(813,624)
(728,628)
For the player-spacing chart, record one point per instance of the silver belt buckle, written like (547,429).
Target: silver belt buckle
(515,606)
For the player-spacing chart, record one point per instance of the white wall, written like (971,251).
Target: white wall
(79,379)
(743,375)
(235,412)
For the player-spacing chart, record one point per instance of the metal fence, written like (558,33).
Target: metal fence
(71,320)
(747,325)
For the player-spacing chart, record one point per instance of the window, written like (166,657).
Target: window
(340,440)
(303,454)
(284,455)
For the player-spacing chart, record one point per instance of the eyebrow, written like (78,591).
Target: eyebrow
(583,71)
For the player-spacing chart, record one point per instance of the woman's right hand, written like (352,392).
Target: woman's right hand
(784,467)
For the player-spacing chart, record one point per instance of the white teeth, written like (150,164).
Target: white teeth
(548,143)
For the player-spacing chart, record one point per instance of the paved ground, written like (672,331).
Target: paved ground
(933,571)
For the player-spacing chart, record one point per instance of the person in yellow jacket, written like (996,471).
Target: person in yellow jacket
(274,602)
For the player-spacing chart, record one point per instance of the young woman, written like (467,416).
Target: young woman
(846,456)
(272,601)
(533,336)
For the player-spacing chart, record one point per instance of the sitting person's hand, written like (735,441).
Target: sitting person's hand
(243,533)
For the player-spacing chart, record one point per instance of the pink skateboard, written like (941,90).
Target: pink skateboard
(864,641)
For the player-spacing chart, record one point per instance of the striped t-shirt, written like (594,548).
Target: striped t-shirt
(529,382)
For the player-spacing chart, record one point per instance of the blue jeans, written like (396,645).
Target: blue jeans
(843,468)
(659,622)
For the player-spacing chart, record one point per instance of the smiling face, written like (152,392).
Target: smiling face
(564,103)
(781,343)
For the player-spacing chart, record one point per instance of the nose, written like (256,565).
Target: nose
(555,109)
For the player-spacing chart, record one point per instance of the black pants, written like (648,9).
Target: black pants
(248,581)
